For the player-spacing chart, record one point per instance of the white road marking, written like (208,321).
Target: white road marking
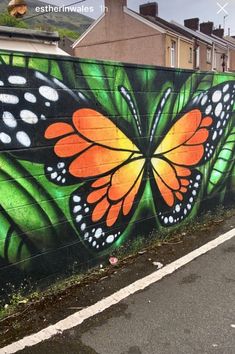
(79,317)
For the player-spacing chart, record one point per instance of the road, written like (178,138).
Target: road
(190,311)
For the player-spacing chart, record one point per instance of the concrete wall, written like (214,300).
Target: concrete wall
(96,154)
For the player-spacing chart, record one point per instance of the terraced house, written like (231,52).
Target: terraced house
(121,34)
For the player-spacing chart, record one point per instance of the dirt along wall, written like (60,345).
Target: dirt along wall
(96,154)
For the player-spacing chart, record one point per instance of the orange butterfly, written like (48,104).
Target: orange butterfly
(115,169)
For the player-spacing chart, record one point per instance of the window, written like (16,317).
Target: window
(208,55)
(198,57)
(190,55)
(173,54)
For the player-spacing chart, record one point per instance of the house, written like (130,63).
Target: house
(232,53)
(213,51)
(66,44)
(203,45)
(20,39)
(121,34)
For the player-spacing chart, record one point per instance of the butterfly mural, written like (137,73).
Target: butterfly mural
(108,159)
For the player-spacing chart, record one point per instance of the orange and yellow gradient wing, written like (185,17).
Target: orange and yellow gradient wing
(173,166)
(112,168)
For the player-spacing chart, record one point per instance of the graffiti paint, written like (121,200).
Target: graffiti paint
(93,154)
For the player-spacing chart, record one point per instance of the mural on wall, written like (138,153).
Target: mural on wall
(90,151)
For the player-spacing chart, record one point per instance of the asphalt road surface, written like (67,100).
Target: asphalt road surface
(190,311)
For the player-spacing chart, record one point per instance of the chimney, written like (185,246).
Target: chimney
(192,23)
(219,32)
(149,9)
(114,6)
(207,27)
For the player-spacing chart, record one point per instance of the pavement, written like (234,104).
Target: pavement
(190,311)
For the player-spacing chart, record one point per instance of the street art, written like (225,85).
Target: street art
(95,154)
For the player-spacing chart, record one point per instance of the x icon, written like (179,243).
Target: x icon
(222,8)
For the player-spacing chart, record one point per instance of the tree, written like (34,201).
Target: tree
(7,20)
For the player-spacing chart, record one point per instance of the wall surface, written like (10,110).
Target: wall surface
(127,39)
(185,62)
(204,65)
(181,54)
(96,154)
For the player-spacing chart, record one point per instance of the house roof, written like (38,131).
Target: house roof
(31,47)
(21,39)
(221,42)
(196,34)
(22,33)
(230,39)
(225,41)
(167,25)
(160,23)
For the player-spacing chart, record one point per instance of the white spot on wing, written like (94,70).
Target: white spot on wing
(208,109)
(28,117)
(226,87)
(9,119)
(218,109)
(76,199)
(49,93)
(5,138)
(77,208)
(214,136)
(83,226)
(216,97)
(98,233)
(79,218)
(23,138)
(17,80)
(30,97)
(10,99)
(110,239)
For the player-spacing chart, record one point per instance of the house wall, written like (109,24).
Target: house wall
(182,52)
(232,60)
(185,55)
(94,155)
(218,53)
(122,38)
(204,65)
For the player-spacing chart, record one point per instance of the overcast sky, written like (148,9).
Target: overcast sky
(176,10)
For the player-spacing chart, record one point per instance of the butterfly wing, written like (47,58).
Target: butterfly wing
(217,103)
(189,143)
(81,146)
(29,102)
(112,169)
(102,209)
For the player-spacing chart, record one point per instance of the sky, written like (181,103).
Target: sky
(177,10)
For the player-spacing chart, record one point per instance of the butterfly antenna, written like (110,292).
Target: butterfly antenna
(127,97)
(159,111)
